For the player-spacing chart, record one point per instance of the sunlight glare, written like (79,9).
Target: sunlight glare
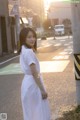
(58,44)
(53,66)
(47,2)
(65,57)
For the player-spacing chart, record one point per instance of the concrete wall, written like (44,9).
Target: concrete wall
(4,12)
(0,41)
(3,7)
(8,35)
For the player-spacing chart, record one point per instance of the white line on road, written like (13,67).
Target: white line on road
(44,46)
(8,60)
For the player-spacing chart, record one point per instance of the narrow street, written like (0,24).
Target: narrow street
(56,62)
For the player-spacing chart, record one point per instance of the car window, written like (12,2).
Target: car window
(59,27)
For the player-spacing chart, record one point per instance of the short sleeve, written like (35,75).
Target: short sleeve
(29,56)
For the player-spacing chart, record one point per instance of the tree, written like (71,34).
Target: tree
(36,20)
(47,24)
(67,24)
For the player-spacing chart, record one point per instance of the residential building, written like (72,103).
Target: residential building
(59,11)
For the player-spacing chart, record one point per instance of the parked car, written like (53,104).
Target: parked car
(59,29)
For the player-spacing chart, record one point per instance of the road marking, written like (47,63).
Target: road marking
(43,46)
(13,68)
(53,66)
(8,60)
(45,66)
(64,57)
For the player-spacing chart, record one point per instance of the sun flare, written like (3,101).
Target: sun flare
(47,2)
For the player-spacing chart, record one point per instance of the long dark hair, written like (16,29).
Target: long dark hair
(22,38)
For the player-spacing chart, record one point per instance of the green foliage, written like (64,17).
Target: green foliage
(46,24)
(66,22)
(36,20)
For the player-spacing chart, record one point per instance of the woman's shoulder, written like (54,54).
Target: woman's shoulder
(27,54)
(26,50)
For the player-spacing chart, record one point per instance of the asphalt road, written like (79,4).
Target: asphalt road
(60,51)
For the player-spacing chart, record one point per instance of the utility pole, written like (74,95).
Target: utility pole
(76,44)
(17,18)
(42,13)
(15,12)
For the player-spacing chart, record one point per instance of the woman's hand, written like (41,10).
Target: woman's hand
(38,81)
(44,94)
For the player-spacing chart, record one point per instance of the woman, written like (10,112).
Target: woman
(33,94)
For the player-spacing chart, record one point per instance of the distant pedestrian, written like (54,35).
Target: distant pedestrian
(33,93)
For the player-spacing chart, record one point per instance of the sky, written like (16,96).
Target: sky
(47,2)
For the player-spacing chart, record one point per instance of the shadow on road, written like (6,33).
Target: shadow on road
(73,114)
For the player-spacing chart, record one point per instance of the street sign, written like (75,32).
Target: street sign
(14,10)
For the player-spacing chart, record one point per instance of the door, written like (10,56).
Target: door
(3,35)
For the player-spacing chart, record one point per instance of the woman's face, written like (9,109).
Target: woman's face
(30,39)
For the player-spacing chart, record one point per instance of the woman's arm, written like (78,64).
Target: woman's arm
(37,80)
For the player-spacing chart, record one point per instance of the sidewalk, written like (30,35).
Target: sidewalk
(7,56)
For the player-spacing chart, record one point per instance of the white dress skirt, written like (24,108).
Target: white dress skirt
(34,107)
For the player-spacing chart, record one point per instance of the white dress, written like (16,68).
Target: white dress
(34,107)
